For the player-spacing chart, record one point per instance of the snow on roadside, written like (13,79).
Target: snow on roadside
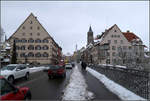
(77,88)
(113,65)
(117,89)
(36,69)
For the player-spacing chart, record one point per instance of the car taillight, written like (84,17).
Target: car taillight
(49,71)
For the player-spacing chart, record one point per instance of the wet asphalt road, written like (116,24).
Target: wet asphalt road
(98,88)
(43,88)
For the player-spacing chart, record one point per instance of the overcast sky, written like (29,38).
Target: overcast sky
(68,21)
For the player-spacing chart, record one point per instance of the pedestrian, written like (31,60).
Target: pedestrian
(83,64)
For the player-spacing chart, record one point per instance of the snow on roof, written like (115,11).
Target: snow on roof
(120,91)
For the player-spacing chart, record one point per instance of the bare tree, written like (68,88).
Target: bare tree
(1,34)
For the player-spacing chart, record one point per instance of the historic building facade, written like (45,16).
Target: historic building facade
(113,47)
(34,44)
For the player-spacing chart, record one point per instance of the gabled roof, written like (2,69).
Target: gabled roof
(25,21)
(130,36)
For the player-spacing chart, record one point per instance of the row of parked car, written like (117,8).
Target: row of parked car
(12,72)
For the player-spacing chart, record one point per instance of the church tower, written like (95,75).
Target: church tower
(90,36)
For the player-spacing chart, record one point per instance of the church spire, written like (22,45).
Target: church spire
(90,29)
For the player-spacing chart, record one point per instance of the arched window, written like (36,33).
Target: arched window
(45,54)
(37,41)
(38,47)
(23,40)
(31,47)
(45,41)
(30,54)
(38,54)
(45,47)
(30,40)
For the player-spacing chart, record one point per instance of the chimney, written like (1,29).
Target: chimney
(128,31)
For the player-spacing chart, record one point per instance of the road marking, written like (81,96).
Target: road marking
(31,81)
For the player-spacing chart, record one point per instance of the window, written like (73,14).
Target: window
(37,41)
(38,54)
(115,30)
(23,27)
(31,27)
(31,34)
(22,55)
(115,41)
(17,47)
(38,47)
(113,47)
(30,54)
(121,41)
(45,47)
(5,87)
(38,34)
(17,40)
(22,48)
(24,40)
(38,27)
(112,36)
(113,54)
(31,47)
(45,54)
(109,41)
(30,40)
(118,36)
(45,41)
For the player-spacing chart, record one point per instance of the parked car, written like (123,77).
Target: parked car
(10,92)
(56,70)
(15,71)
(68,66)
(46,68)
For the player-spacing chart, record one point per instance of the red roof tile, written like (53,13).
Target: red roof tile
(130,36)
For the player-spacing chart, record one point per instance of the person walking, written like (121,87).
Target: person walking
(84,65)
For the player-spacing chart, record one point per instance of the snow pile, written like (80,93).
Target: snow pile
(112,65)
(117,89)
(36,69)
(76,89)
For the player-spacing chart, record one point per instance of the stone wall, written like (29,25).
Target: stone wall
(136,81)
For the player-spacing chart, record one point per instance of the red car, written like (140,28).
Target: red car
(9,92)
(56,70)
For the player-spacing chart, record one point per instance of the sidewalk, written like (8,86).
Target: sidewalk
(98,88)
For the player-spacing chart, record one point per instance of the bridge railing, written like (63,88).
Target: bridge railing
(137,81)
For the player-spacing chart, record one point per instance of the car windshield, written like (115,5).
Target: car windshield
(55,67)
(8,68)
